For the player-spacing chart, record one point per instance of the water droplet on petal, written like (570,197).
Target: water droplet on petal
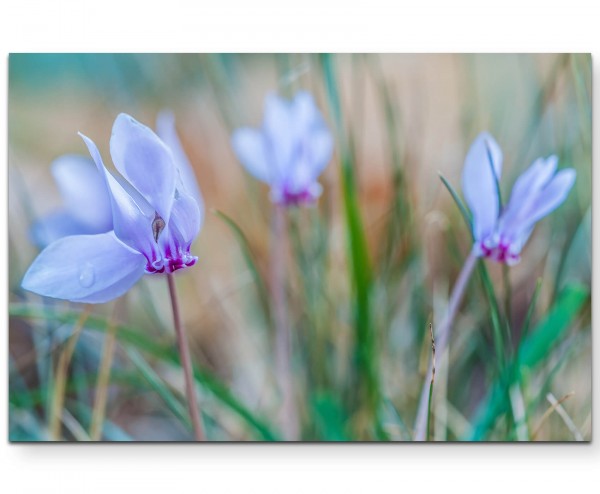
(87,275)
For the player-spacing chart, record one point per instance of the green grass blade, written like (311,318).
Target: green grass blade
(532,352)
(488,288)
(461,207)
(531,309)
(129,336)
(158,386)
(367,392)
(263,293)
(329,418)
(549,331)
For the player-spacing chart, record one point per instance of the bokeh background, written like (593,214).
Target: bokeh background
(403,120)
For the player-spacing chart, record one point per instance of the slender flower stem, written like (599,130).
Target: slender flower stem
(443,336)
(429,414)
(283,349)
(58,398)
(186,363)
(99,412)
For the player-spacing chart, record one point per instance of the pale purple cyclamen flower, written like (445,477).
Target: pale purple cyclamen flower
(86,208)
(501,232)
(289,151)
(157,212)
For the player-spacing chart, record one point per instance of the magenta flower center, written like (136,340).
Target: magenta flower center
(169,255)
(499,251)
(170,262)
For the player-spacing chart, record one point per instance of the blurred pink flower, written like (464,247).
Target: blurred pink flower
(289,151)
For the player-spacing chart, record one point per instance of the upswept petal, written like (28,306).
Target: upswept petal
(318,149)
(143,159)
(185,220)
(315,142)
(305,112)
(249,147)
(533,179)
(187,182)
(521,217)
(83,191)
(85,268)
(279,137)
(57,225)
(131,225)
(312,145)
(479,184)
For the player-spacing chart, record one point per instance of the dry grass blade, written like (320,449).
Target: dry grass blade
(554,405)
(565,416)
(58,398)
(99,411)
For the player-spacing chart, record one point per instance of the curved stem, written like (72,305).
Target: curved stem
(186,363)
(445,328)
(283,349)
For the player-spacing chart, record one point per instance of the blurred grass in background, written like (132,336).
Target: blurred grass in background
(368,268)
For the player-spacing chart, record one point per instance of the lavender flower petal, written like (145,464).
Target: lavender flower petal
(279,136)
(84,192)
(165,128)
(85,268)
(57,225)
(313,156)
(145,161)
(528,185)
(132,221)
(479,184)
(249,147)
(185,220)
(521,216)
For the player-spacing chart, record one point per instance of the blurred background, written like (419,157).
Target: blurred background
(368,268)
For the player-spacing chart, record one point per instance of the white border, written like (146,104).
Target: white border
(308,25)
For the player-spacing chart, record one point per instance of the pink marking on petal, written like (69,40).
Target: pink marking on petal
(302,198)
(501,252)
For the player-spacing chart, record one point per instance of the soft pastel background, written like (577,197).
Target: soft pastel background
(404,120)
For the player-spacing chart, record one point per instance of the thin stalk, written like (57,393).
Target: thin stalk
(99,411)
(429,414)
(445,328)
(186,363)
(507,293)
(507,306)
(58,397)
(554,404)
(565,416)
(283,344)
